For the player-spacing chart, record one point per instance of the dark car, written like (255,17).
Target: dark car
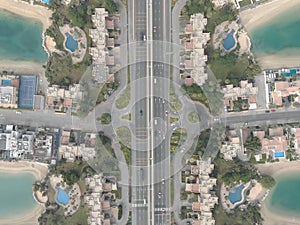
(141,112)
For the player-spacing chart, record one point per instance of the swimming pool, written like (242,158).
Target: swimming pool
(6,82)
(229,42)
(236,196)
(71,43)
(279,155)
(62,196)
(293,71)
(45,1)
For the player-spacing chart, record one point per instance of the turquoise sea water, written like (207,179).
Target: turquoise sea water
(21,38)
(280,36)
(285,197)
(16,194)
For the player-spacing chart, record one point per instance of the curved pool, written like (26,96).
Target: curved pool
(229,41)
(236,195)
(71,43)
(62,196)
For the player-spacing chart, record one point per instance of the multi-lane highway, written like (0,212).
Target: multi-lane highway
(160,80)
(149,29)
(138,51)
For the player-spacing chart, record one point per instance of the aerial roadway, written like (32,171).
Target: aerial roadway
(139,89)
(161,11)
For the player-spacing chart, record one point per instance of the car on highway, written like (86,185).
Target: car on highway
(159,195)
(267,111)
(141,112)
(167,113)
(18,112)
(163,181)
(142,173)
(144,37)
(154,29)
(273,110)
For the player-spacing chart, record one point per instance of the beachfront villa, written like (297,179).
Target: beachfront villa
(9,86)
(275,146)
(285,92)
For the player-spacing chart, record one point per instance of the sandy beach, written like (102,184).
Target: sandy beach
(253,18)
(21,67)
(25,9)
(39,170)
(275,170)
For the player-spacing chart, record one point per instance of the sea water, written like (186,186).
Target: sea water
(16,195)
(285,197)
(21,38)
(279,36)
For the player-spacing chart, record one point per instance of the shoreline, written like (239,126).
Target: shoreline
(37,12)
(39,171)
(276,170)
(21,67)
(41,13)
(252,19)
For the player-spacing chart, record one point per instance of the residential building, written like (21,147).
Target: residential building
(195,62)
(61,99)
(296,132)
(78,149)
(100,201)
(230,148)
(221,3)
(275,146)
(285,92)
(240,98)
(27,143)
(9,86)
(203,186)
(101,41)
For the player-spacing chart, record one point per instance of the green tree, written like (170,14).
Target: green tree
(267,181)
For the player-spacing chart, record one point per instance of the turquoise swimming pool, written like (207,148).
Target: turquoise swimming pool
(71,43)
(279,155)
(62,196)
(229,42)
(236,195)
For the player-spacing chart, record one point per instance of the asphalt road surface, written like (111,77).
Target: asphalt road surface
(139,112)
(161,73)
